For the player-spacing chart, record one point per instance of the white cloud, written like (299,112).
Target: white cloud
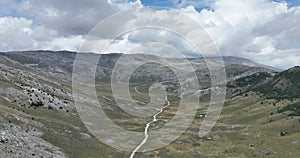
(63,43)
(22,34)
(262,30)
(125,4)
(53,25)
(68,16)
(195,3)
(73,16)
(15,32)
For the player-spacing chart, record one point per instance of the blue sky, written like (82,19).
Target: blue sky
(166,3)
(170,4)
(291,2)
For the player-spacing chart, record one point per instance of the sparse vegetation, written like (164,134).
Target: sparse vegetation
(294,109)
(284,85)
(283,133)
(249,125)
(37,104)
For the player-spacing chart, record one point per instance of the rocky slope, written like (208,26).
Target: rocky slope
(38,117)
(60,64)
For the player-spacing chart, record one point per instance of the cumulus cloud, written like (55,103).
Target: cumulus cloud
(256,29)
(195,3)
(262,30)
(152,26)
(15,33)
(73,16)
(21,34)
(68,16)
(54,25)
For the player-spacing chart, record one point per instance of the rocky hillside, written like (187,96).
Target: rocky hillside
(275,85)
(60,65)
(38,117)
(285,84)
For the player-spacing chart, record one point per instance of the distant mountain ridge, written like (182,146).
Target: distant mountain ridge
(60,64)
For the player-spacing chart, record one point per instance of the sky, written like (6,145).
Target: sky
(265,31)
